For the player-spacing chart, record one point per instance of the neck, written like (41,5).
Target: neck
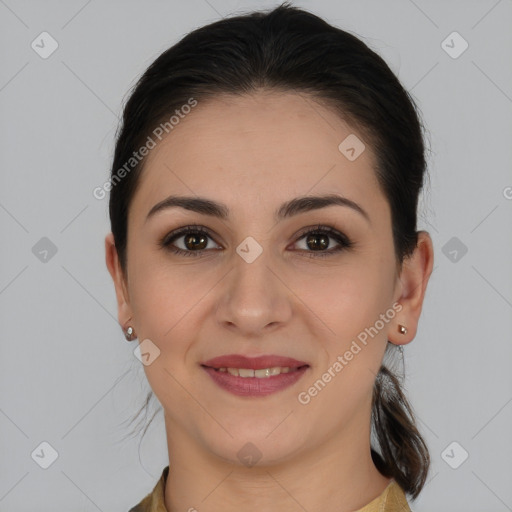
(337,476)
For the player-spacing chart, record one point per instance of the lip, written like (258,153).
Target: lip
(252,363)
(253,386)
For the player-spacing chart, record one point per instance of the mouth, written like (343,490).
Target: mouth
(262,373)
(257,376)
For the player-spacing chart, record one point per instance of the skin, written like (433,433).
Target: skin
(253,153)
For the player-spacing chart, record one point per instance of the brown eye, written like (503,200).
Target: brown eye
(318,239)
(195,241)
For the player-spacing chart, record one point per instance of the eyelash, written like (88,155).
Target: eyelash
(343,241)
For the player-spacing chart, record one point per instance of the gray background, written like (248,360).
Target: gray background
(67,375)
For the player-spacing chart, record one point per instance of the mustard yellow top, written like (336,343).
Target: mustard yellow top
(392,499)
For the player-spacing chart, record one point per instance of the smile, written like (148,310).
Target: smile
(255,383)
(259,374)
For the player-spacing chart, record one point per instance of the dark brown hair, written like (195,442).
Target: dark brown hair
(289,49)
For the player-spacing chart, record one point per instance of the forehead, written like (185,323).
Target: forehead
(261,148)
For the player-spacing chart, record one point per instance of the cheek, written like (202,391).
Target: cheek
(164,296)
(171,303)
(346,298)
(348,303)
(166,303)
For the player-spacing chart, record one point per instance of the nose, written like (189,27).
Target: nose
(255,298)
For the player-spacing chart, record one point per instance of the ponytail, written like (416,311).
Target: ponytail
(403,453)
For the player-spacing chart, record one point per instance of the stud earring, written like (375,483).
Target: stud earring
(129,334)
(402,329)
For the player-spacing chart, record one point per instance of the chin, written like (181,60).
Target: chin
(252,448)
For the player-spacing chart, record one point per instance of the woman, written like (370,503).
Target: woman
(264,253)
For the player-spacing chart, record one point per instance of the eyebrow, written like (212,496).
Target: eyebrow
(288,209)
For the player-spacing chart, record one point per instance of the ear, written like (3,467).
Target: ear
(124,310)
(412,284)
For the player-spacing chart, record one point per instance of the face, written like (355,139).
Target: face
(252,283)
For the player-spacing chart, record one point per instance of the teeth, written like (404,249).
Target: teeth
(260,374)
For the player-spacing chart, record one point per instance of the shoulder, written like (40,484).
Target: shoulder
(392,499)
(154,501)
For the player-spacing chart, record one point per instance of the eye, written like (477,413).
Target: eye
(195,241)
(317,239)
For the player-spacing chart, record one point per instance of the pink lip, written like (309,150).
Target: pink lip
(253,386)
(253,363)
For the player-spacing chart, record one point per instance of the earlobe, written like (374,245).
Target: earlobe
(414,276)
(124,312)
(402,329)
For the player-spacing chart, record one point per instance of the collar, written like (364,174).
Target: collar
(392,499)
